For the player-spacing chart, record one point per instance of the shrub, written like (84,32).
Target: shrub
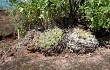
(41,13)
(35,13)
(24,17)
(97,12)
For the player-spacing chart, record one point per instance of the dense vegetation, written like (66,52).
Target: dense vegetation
(45,14)
(97,12)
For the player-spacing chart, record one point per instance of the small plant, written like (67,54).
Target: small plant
(50,38)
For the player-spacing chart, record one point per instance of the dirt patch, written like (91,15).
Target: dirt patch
(66,61)
(33,61)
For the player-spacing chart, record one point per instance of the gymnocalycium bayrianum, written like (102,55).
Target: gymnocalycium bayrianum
(50,42)
(50,38)
(81,40)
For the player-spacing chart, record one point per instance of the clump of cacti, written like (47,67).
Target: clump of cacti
(80,33)
(50,38)
(55,40)
(78,39)
(30,40)
(46,42)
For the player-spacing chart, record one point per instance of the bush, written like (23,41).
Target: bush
(41,13)
(37,13)
(97,12)
(24,17)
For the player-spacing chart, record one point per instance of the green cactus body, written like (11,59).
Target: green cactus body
(82,33)
(50,38)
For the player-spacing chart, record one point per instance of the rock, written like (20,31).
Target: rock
(6,27)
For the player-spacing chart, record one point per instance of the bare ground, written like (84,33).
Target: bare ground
(100,60)
(25,60)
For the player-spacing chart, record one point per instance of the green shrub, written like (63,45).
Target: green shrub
(97,12)
(35,13)
(50,38)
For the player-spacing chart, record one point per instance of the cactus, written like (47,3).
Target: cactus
(50,38)
(79,39)
(82,33)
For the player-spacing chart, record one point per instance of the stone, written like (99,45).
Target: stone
(6,27)
(6,30)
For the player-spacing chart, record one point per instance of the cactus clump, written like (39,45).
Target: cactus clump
(50,38)
(30,40)
(79,39)
(47,42)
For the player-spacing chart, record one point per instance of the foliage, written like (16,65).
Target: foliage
(37,12)
(42,13)
(97,13)
(24,17)
(50,38)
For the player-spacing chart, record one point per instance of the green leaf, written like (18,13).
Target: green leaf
(91,1)
(92,19)
(105,9)
(21,9)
